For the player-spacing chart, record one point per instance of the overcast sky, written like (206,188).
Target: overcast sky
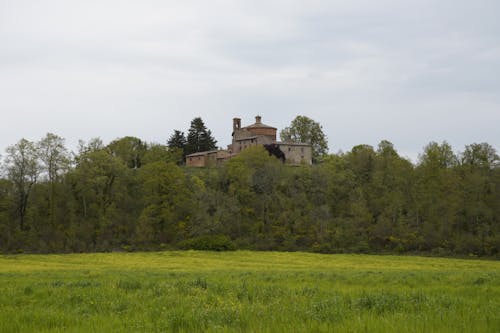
(410,71)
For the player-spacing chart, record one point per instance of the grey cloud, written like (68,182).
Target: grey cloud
(366,70)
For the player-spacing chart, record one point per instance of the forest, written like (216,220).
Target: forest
(131,195)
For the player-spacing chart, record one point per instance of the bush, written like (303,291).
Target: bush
(208,243)
(322,248)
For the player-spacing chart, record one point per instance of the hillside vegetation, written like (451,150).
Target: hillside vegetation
(130,195)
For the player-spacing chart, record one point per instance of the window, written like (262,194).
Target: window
(289,149)
(302,149)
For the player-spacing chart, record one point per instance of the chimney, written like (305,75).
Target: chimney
(258,119)
(236,124)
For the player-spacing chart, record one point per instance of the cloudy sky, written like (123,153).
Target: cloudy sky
(409,71)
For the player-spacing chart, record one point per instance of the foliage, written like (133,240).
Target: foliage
(305,130)
(54,160)
(157,153)
(22,168)
(208,243)
(165,198)
(134,195)
(130,150)
(199,138)
(178,141)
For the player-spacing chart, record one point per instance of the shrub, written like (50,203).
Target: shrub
(209,243)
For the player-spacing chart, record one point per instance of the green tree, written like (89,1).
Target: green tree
(22,168)
(55,160)
(482,155)
(436,195)
(84,147)
(166,199)
(388,198)
(305,130)
(199,138)
(98,181)
(479,198)
(361,160)
(157,152)
(238,185)
(337,185)
(438,156)
(130,150)
(7,226)
(178,142)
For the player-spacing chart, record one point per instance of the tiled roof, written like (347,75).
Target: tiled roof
(248,138)
(202,153)
(260,125)
(292,143)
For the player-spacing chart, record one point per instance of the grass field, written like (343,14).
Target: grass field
(247,292)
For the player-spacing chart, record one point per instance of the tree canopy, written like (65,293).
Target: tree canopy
(177,140)
(132,195)
(305,130)
(199,138)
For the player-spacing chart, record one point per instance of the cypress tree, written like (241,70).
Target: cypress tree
(199,138)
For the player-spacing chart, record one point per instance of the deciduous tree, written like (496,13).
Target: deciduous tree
(305,130)
(130,150)
(55,159)
(22,168)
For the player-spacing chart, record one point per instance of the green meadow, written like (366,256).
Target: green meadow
(189,291)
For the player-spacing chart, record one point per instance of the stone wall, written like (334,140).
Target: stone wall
(296,153)
(196,160)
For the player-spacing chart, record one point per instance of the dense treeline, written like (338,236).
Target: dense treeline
(132,195)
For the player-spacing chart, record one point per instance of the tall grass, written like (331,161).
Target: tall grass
(247,292)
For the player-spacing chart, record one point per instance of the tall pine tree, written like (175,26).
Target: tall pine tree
(199,138)
(177,140)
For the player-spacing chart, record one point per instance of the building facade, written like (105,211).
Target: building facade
(207,158)
(257,134)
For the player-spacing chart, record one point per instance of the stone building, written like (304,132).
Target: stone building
(256,134)
(296,153)
(252,135)
(207,158)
